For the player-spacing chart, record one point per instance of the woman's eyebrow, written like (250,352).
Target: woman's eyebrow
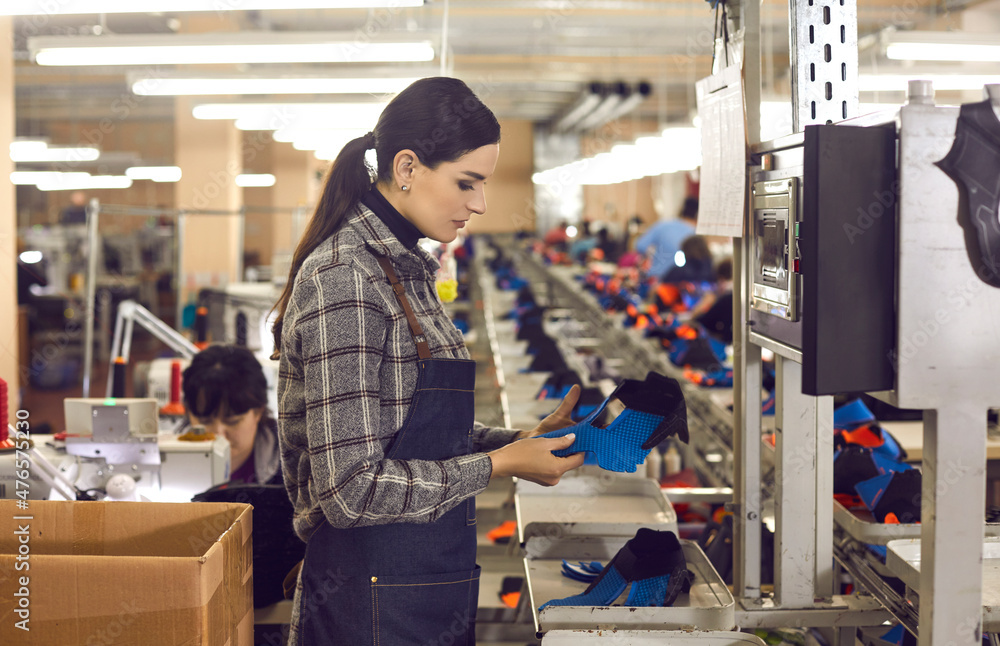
(473,175)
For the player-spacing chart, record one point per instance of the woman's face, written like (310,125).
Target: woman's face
(239,430)
(440,201)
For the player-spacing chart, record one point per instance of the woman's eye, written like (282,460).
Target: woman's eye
(464,186)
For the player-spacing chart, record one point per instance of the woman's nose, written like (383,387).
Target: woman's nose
(478,203)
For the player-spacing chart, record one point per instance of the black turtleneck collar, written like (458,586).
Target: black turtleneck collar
(404,230)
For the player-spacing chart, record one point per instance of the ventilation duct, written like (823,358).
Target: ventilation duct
(601,103)
(583,106)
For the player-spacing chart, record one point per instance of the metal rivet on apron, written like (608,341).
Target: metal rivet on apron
(374,579)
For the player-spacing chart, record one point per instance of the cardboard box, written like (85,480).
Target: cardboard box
(102,573)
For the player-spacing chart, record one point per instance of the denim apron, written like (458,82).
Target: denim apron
(403,583)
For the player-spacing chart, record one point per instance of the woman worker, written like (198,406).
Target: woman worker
(226,392)
(380,452)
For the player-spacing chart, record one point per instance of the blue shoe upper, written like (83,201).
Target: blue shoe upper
(654,410)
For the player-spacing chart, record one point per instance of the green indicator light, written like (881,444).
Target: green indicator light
(110,402)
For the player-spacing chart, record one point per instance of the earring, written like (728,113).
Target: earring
(405,188)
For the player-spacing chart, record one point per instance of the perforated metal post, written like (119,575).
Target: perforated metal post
(824,61)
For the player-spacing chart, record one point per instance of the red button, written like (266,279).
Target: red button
(795,265)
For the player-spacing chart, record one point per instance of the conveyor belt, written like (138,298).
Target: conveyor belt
(711,425)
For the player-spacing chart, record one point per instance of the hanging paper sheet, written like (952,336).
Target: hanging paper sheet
(723,153)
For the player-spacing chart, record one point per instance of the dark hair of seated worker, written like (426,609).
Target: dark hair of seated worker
(226,392)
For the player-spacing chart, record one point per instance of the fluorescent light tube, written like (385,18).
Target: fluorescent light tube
(278,116)
(942,82)
(227,48)
(294,134)
(154,173)
(303,85)
(32,178)
(255,180)
(67,7)
(943,46)
(64,183)
(34,154)
(28,147)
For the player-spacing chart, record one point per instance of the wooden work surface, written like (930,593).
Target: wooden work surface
(911,437)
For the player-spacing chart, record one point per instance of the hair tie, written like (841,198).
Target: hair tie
(369,140)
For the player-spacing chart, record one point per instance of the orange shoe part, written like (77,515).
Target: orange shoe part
(687,332)
(863,436)
(503,530)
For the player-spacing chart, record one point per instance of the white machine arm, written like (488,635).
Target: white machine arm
(128,313)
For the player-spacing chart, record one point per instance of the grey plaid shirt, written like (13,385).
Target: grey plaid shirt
(348,372)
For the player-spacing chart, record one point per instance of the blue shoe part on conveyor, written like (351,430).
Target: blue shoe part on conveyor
(853,413)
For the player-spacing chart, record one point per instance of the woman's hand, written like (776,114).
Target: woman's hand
(532,459)
(558,419)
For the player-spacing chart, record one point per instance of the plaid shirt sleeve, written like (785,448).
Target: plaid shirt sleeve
(485,438)
(331,402)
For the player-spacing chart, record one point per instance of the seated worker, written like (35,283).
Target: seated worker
(696,265)
(226,392)
(715,309)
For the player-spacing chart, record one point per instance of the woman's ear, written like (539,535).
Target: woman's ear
(404,166)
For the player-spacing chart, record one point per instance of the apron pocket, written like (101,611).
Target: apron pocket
(333,608)
(425,610)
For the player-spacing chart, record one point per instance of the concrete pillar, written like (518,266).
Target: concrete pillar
(257,234)
(210,155)
(270,210)
(9,329)
(294,187)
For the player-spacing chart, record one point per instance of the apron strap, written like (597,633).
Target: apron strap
(423,350)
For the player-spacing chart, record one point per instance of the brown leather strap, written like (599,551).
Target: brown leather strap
(291,580)
(423,350)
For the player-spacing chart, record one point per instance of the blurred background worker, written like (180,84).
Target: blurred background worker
(663,240)
(226,392)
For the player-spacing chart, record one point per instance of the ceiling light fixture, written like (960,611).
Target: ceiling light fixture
(73,182)
(29,151)
(617,93)
(307,135)
(154,173)
(582,107)
(897,82)
(226,48)
(276,116)
(601,103)
(33,177)
(942,46)
(675,149)
(67,7)
(193,86)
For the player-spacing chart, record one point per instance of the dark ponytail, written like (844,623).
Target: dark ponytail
(348,180)
(438,118)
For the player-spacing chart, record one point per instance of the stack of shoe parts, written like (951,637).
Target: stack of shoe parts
(868,463)
(651,564)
